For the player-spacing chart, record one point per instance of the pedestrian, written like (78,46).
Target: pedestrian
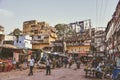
(65,61)
(14,63)
(54,63)
(99,72)
(31,64)
(78,63)
(70,62)
(48,68)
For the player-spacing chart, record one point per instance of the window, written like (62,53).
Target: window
(39,36)
(31,30)
(36,31)
(33,26)
(19,41)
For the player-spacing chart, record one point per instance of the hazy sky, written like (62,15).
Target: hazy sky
(14,12)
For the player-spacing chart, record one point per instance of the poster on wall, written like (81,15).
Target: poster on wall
(16,56)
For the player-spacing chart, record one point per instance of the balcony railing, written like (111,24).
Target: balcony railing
(74,44)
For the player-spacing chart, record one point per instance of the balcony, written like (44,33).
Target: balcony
(40,41)
(74,44)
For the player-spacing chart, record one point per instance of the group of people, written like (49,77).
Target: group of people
(102,68)
(69,61)
(60,62)
(47,62)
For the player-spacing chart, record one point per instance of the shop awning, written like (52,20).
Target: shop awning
(8,46)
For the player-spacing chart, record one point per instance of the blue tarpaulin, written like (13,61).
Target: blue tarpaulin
(115,73)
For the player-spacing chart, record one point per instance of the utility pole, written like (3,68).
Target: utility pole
(90,28)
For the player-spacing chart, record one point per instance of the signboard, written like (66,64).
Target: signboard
(79,49)
(84,49)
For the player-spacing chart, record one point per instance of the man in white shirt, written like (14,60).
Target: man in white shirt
(14,63)
(31,64)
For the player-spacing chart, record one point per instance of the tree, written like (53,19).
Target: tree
(16,32)
(63,30)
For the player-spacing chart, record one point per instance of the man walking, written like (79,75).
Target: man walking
(48,69)
(78,63)
(31,64)
(65,62)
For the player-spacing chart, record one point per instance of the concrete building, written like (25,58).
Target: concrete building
(113,33)
(79,44)
(42,40)
(2,35)
(41,32)
(9,39)
(33,27)
(99,41)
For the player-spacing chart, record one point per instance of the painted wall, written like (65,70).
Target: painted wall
(23,41)
(39,46)
(9,38)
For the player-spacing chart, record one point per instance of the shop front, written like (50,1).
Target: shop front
(79,50)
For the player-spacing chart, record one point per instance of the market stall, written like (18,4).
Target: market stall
(5,66)
(95,67)
(6,57)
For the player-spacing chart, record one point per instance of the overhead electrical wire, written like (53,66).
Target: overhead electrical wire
(100,16)
(104,13)
(96,13)
(101,8)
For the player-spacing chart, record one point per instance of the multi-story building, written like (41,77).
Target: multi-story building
(33,27)
(42,40)
(41,32)
(113,32)
(99,41)
(109,37)
(2,35)
(79,44)
(9,39)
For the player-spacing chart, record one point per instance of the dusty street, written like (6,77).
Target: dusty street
(57,74)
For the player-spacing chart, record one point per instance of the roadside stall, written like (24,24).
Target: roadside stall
(6,56)
(10,55)
(91,65)
(89,68)
(5,66)
(86,59)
